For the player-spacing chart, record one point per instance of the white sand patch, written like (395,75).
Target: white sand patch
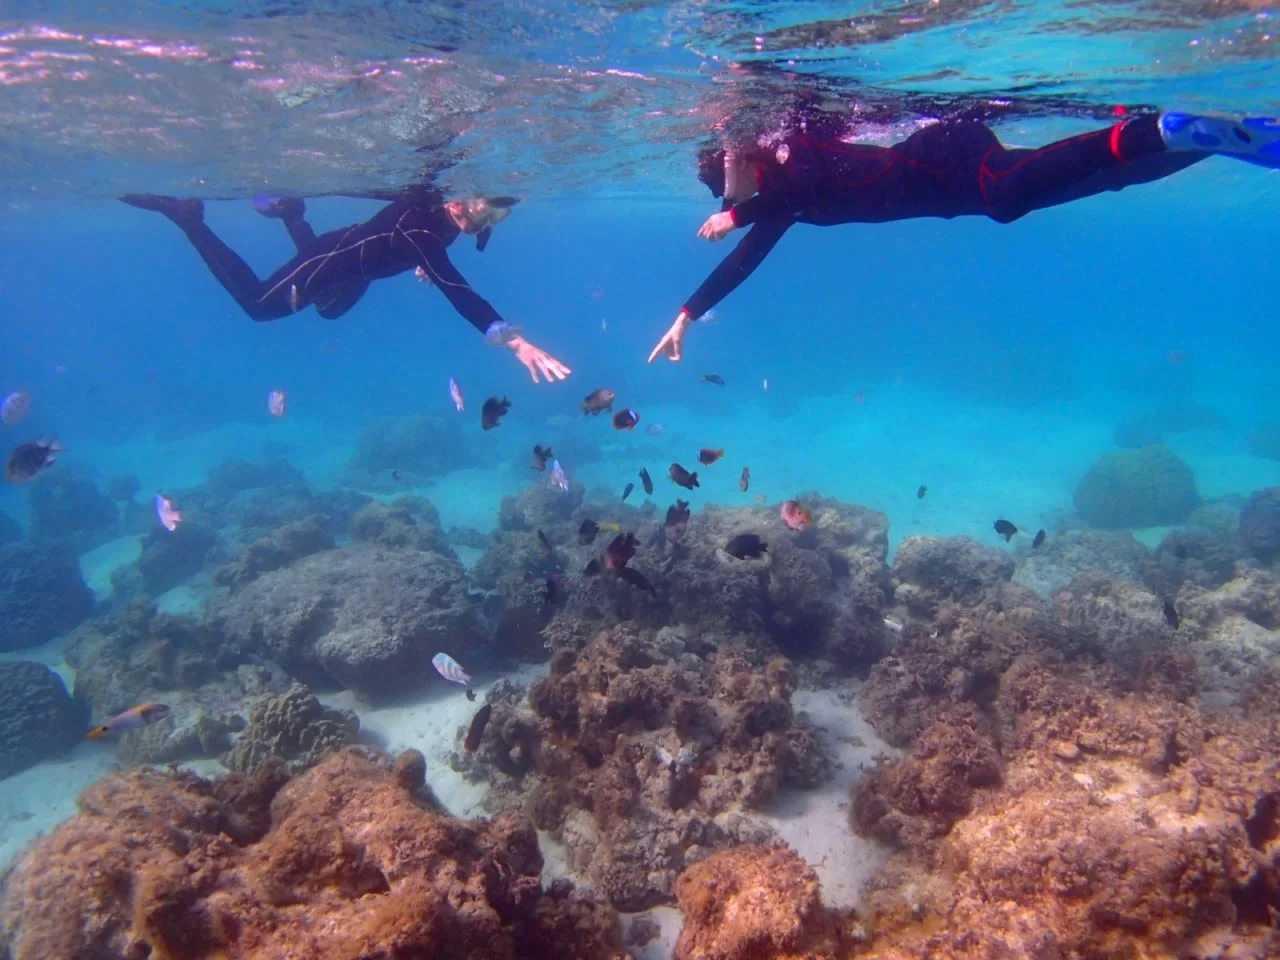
(35,801)
(816,822)
(101,562)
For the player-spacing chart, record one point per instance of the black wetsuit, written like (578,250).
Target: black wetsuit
(948,169)
(332,271)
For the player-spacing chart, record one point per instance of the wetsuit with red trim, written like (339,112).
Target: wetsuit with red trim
(948,169)
(332,271)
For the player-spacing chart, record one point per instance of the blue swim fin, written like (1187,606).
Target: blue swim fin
(1254,140)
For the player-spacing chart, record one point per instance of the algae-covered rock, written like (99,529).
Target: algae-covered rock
(1146,487)
(38,719)
(295,727)
(1260,524)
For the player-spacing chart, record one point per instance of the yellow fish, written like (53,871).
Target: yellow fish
(135,718)
(611,527)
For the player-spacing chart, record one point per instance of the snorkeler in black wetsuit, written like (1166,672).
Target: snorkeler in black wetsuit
(332,271)
(948,169)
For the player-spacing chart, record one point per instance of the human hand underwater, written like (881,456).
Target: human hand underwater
(537,361)
(717,227)
(671,340)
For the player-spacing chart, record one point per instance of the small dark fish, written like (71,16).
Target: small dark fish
(592,569)
(708,456)
(545,542)
(1005,529)
(493,411)
(587,532)
(620,550)
(598,401)
(744,481)
(677,520)
(1171,614)
(471,695)
(540,457)
(397,475)
(554,591)
(682,477)
(713,378)
(746,545)
(28,459)
(637,579)
(475,732)
(1038,542)
(625,419)
(921,491)
(646,481)
(626,491)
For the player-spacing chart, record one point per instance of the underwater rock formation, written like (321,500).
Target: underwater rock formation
(295,728)
(233,476)
(1125,826)
(1233,631)
(67,505)
(1259,530)
(1154,426)
(346,860)
(42,593)
(540,506)
(190,732)
(645,750)
(1053,565)
(1201,557)
(171,558)
(277,549)
(10,529)
(751,903)
(363,617)
(423,444)
(1146,487)
(411,523)
(38,718)
(930,570)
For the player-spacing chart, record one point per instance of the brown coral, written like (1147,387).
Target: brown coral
(352,866)
(293,726)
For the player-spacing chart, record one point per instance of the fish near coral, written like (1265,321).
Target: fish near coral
(677,520)
(28,459)
(746,545)
(493,411)
(597,402)
(682,477)
(541,455)
(646,481)
(625,419)
(620,550)
(475,732)
(450,669)
(795,515)
(135,718)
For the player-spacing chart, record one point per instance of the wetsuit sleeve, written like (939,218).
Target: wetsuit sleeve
(738,265)
(475,308)
(771,204)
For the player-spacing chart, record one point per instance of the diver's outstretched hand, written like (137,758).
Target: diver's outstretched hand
(671,340)
(717,227)
(537,361)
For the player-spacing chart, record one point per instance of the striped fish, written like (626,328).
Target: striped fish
(135,718)
(450,669)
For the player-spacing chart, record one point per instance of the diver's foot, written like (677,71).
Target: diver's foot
(280,208)
(1252,139)
(180,210)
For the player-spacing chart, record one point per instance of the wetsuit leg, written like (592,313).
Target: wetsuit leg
(337,300)
(1012,183)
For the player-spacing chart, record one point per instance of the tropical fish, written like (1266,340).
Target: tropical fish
(553,590)
(471,695)
(450,669)
(1170,614)
(587,532)
(620,550)
(475,732)
(1005,529)
(295,298)
(921,491)
(708,456)
(558,478)
(646,480)
(1038,542)
(15,407)
(169,517)
(795,515)
(677,520)
(493,411)
(746,545)
(893,625)
(744,481)
(637,579)
(626,491)
(28,459)
(682,477)
(713,378)
(421,274)
(455,394)
(598,401)
(135,718)
(277,401)
(542,538)
(765,383)
(654,429)
(625,419)
(540,457)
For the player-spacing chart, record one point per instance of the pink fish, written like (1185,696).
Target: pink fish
(795,514)
(558,478)
(276,403)
(450,669)
(169,517)
(15,407)
(455,394)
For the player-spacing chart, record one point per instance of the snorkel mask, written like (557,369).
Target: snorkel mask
(479,215)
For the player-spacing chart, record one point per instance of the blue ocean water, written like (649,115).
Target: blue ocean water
(990,363)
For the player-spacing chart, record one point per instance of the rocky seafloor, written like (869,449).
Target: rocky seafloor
(1085,762)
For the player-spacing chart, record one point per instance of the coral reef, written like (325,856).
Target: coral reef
(1053,565)
(42,593)
(644,752)
(411,523)
(67,505)
(169,558)
(752,903)
(426,445)
(1202,557)
(363,617)
(278,549)
(232,477)
(1233,631)
(346,860)
(928,571)
(1259,530)
(293,727)
(1146,487)
(38,719)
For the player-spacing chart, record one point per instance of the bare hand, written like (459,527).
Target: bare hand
(717,227)
(537,361)
(671,340)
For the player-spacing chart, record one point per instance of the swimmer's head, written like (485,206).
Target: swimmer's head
(480,215)
(711,170)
